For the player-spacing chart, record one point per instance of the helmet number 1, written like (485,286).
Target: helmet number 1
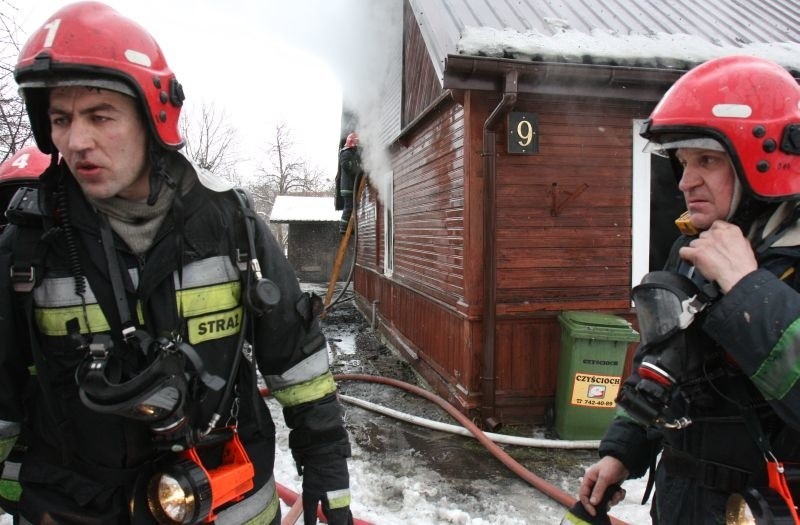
(21,162)
(52,29)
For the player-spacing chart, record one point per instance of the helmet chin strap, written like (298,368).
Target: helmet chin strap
(736,198)
(158,171)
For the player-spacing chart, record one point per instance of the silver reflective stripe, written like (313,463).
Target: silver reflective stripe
(213,270)
(10,471)
(250,507)
(314,365)
(55,292)
(58,292)
(9,429)
(134,273)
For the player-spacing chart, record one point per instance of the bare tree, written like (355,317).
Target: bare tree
(210,140)
(285,174)
(15,129)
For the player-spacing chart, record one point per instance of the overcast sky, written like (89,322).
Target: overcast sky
(261,61)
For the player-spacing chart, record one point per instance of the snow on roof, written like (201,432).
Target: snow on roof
(602,46)
(643,33)
(296,208)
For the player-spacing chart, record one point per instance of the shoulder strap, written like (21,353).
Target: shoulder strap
(27,257)
(25,214)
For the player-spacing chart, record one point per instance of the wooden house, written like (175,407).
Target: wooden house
(518,188)
(313,236)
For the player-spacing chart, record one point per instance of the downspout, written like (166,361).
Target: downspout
(489,247)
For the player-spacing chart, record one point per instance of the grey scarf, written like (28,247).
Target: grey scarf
(137,222)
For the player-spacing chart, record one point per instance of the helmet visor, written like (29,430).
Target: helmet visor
(663,146)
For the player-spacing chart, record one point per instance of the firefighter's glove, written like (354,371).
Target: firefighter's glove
(326,480)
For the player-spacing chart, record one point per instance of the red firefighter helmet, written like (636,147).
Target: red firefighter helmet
(91,44)
(749,105)
(27,163)
(351,141)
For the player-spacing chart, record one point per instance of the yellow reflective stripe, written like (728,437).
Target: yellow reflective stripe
(53,321)
(6,444)
(214,326)
(139,312)
(311,390)
(266,517)
(32,370)
(10,490)
(209,299)
(338,499)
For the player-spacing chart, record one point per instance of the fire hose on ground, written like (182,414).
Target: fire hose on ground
(546,488)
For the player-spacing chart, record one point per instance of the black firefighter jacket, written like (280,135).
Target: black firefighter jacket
(84,466)
(750,342)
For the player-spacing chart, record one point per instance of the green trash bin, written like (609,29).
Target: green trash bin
(593,350)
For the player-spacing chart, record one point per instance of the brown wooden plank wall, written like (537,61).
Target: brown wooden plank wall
(429,208)
(367,213)
(580,257)
(421,86)
(436,333)
(526,367)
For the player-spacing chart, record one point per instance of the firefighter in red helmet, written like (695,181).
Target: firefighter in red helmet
(715,386)
(145,293)
(21,169)
(347,178)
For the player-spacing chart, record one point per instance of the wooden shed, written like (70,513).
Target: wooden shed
(518,188)
(313,237)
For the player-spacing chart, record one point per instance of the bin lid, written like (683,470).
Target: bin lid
(597,325)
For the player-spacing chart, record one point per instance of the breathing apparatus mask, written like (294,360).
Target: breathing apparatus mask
(156,394)
(667,303)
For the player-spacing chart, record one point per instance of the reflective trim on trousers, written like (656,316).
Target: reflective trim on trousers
(260,508)
(338,499)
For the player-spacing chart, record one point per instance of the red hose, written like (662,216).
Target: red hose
(291,497)
(540,484)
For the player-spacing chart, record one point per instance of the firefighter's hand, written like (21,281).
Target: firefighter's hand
(326,480)
(722,254)
(597,478)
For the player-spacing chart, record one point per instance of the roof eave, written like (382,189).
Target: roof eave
(556,78)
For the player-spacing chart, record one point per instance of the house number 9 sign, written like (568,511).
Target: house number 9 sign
(523,133)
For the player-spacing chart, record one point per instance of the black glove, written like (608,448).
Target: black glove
(326,480)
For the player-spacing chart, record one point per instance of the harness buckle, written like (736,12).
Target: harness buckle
(23,280)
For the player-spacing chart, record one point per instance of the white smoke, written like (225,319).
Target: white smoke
(361,41)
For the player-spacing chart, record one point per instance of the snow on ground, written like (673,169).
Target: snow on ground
(412,492)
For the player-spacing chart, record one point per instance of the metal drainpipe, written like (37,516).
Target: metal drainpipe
(489,248)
